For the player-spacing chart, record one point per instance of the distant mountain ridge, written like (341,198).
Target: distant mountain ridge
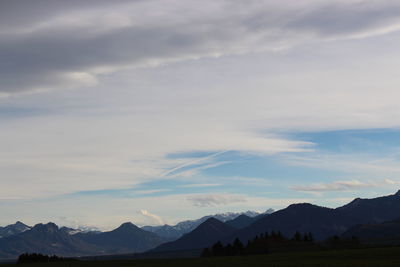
(203,236)
(241,221)
(174,232)
(46,239)
(13,229)
(50,239)
(127,238)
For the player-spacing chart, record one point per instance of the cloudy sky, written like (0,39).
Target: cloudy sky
(154,111)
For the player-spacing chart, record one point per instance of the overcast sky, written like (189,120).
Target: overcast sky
(156,111)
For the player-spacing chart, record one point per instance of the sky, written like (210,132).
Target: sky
(159,111)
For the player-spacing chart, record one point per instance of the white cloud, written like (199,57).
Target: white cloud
(154,218)
(215,200)
(335,186)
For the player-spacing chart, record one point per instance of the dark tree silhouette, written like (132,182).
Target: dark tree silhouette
(262,244)
(37,257)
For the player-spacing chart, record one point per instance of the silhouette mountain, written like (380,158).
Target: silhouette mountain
(13,229)
(374,210)
(127,238)
(323,222)
(241,221)
(203,236)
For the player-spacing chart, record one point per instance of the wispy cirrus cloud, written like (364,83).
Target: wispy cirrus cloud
(338,186)
(193,166)
(352,163)
(334,186)
(150,191)
(199,185)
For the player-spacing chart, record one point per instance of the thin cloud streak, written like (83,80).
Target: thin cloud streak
(199,185)
(194,162)
(342,186)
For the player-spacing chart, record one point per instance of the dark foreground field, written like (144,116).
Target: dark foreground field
(356,257)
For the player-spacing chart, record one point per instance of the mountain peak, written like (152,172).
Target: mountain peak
(127,224)
(355,202)
(301,205)
(45,229)
(210,222)
(20,225)
(397,193)
(269,211)
(50,227)
(126,227)
(215,225)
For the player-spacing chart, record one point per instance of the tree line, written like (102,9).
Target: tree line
(261,244)
(38,257)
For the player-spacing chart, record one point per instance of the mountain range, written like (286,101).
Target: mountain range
(44,238)
(174,232)
(369,219)
(19,238)
(322,222)
(50,239)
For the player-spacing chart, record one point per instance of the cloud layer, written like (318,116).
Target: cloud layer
(70,46)
(335,186)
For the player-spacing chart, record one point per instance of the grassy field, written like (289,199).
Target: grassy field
(354,258)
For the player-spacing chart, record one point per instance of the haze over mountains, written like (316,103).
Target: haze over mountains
(375,218)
